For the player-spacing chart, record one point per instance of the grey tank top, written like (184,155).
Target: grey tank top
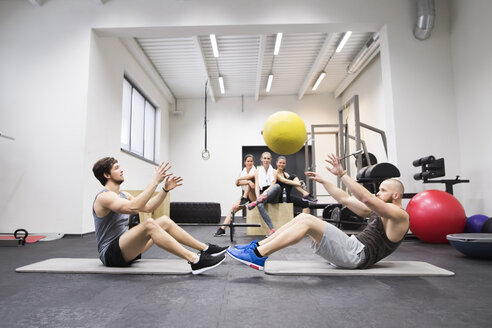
(377,245)
(109,227)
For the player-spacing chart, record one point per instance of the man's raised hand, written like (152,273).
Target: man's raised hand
(172,182)
(336,166)
(161,172)
(314,176)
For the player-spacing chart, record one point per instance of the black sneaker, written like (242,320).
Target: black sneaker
(206,262)
(215,250)
(219,232)
(310,199)
(243,202)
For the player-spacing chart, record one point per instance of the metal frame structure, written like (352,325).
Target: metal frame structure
(342,140)
(312,167)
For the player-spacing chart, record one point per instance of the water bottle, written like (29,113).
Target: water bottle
(284,196)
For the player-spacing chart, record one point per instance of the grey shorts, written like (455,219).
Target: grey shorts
(339,249)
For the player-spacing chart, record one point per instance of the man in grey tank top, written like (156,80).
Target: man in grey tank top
(118,246)
(388,223)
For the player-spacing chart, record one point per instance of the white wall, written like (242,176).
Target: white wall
(470,50)
(230,126)
(423,96)
(44,65)
(109,62)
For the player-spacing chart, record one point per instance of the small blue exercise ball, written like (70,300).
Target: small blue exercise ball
(475,222)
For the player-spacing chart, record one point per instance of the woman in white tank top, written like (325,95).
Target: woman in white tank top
(246,182)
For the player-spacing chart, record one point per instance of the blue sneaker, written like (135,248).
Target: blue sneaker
(248,257)
(253,244)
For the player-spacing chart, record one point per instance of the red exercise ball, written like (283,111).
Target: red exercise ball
(435,214)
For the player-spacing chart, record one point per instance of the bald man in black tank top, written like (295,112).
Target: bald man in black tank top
(388,223)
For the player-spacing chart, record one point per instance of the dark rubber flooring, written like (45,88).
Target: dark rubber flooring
(234,295)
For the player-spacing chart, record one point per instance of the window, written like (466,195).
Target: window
(138,123)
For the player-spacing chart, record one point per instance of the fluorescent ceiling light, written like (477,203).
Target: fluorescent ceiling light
(215,48)
(269,83)
(346,36)
(277,44)
(318,81)
(221,84)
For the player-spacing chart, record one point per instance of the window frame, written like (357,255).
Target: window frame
(136,88)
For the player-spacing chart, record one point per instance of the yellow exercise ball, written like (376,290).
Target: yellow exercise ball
(284,132)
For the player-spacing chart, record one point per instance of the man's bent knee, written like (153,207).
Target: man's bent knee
(150,224)
(165,222)
(308,219)
(302,217)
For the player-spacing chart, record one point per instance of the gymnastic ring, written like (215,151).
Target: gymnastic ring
(21,238)
(205,154)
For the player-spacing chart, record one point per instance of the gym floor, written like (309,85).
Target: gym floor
(234,295)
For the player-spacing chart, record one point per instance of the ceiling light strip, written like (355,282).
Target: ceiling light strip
(269,82)
(278,41)
(318,81)
(215,47)
(221,84)
(318,65)
(344,40)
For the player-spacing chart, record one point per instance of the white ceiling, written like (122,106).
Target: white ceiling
(183,58)
(245,61)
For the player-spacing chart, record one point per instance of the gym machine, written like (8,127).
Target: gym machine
(370,174)
(342,141)
(432,168)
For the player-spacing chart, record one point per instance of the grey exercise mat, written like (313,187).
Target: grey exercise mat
(94,265)
(383,268)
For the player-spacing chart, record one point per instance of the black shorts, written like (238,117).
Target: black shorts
(113,256)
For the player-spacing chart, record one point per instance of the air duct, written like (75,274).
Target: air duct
(426,14)
(367,50)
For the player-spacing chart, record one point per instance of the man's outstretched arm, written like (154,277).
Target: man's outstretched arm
(341,196)
(112,201)
(169,184)
(383,209)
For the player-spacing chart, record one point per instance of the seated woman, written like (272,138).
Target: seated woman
(248,195)
(266,189)
(291,181)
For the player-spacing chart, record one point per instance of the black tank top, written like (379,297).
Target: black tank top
(284,185)
(377,245)
(287,187)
